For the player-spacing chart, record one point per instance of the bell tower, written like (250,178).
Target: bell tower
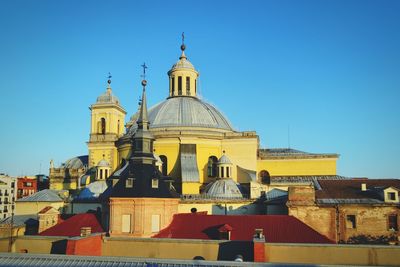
(183,76)
(107,125)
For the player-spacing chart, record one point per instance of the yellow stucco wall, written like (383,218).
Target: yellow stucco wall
(24,208)
(293,167)
(214,208)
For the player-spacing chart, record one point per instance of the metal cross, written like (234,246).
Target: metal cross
(144,71)
(109,76)
(183,37)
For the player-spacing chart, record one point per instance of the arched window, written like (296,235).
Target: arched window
(164,168)
(264,177)
(101,174)
(118,128)
(212,166)
(103,126)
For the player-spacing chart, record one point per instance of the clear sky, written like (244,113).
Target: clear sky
(327,70)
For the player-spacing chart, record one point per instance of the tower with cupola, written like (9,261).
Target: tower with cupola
(107,125)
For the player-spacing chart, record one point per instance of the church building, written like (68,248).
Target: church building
(194,144)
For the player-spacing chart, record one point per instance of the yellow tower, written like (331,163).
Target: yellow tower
(107,125)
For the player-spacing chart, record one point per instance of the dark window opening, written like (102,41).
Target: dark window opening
(173,85)
(212,166)
(227,172)
(103,126)
(164,168)
(393,222)
(179,85)
(351,222)
(187,85)
(264,177)
(195,86)
(391,195)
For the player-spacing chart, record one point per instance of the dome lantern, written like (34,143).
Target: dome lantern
(183,76)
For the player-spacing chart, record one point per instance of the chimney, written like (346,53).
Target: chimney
(259,245)
(86,231)
(363,187)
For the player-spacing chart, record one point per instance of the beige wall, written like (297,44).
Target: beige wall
(333,254)
(245,207)
(187,249)
(25,208)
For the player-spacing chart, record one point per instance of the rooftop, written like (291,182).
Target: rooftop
(277,228)
(73,225)
(46,195)
(278,153)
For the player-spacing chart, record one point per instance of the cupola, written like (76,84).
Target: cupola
(183,76)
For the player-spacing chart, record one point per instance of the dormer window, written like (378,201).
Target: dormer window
(154,183)
(391,196)
(129,183)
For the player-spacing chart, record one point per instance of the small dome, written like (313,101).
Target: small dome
(223,188)
(224,160)
(107,98)
(76,163)
(103,163)
(182,64)
(183,112)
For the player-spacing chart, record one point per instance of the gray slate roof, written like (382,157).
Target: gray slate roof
(20,220)
(46,195)
(184,112)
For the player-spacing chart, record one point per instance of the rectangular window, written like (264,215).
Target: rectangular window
(126,223)
(222,172)
(195,86)
(227,172)
(351,222)
(392,222)
(187,85)
(391,195)
(154,183)
(173,85)
(155,223)
(179,85)
(129,183)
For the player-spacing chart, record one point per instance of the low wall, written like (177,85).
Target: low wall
(333,254)
(217,250)
(160,248)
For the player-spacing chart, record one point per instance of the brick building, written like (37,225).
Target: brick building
(26,187)
(345,210)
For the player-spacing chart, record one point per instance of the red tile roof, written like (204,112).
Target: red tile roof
(351,189)
(73,225)
(277,228)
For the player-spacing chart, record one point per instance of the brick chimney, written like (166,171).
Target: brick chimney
(86,231)
(259,245)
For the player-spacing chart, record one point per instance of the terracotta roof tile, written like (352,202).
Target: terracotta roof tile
(73,225)
(277,228)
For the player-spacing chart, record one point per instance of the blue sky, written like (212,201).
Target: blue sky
(327,70)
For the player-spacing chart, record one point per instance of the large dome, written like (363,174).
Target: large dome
(184,112)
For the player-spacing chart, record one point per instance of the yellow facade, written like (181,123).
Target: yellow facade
(26,208)
(107,125)
(298,167)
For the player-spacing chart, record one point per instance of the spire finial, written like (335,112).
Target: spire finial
(143,122)
(183,47)
(109,78)
(144,82)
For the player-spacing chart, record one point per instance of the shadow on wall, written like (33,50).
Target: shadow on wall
(228,251)
(59,247)
(228,209)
